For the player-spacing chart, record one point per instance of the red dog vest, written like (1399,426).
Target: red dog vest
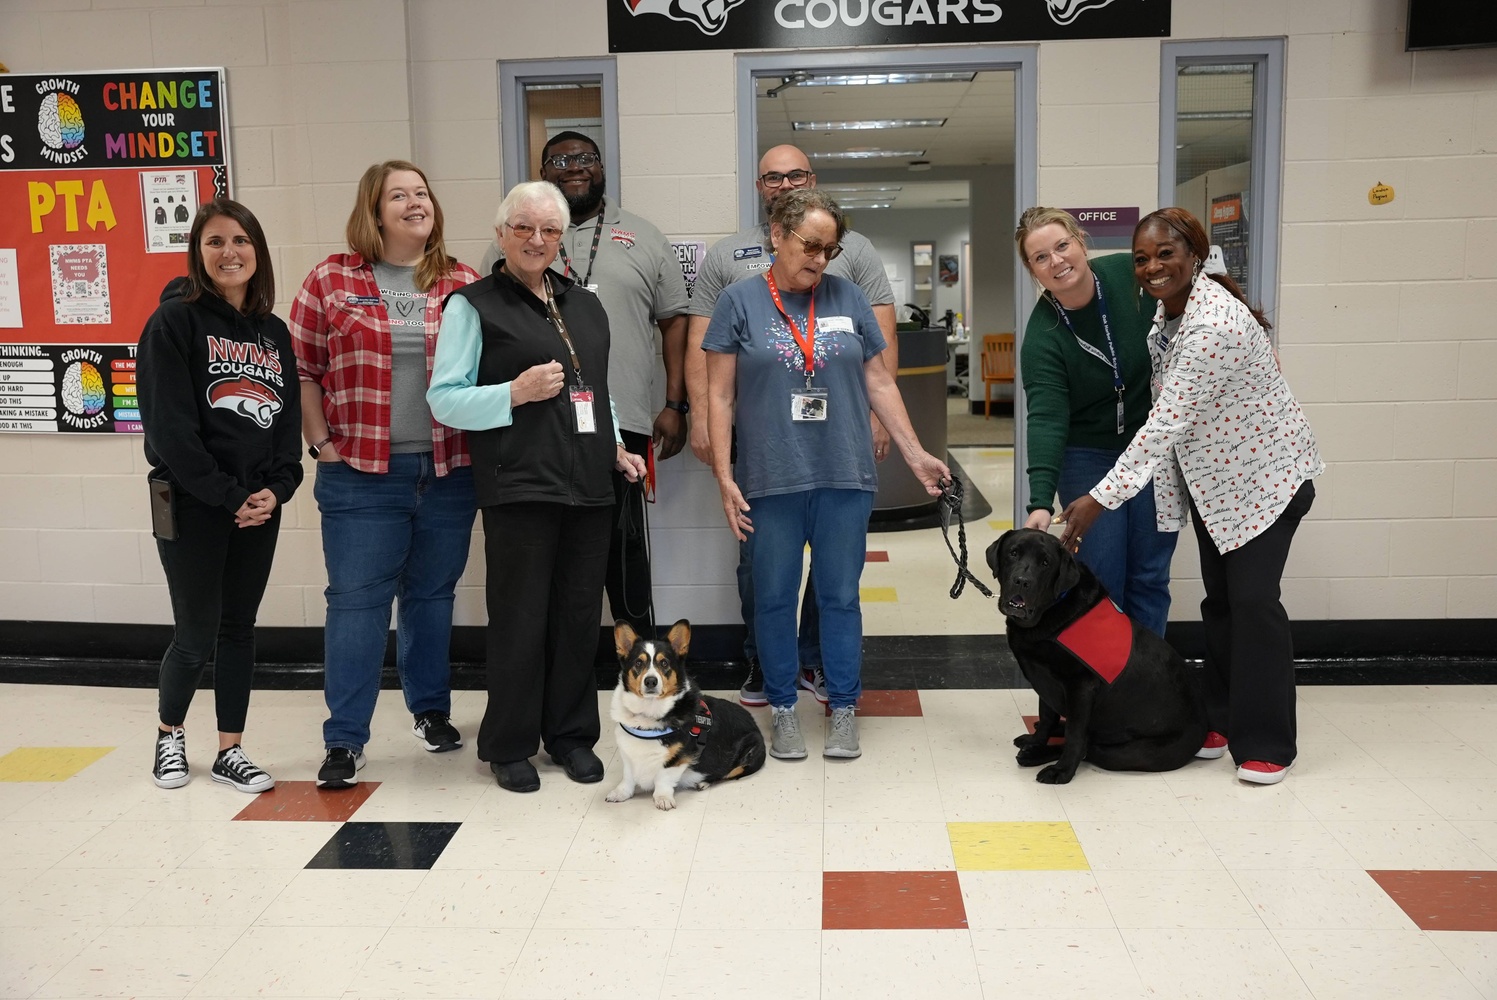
(1102,639)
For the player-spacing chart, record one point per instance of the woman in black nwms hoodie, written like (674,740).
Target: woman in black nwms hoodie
(221,408)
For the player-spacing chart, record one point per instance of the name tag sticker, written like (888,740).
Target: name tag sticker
(834,324)
(744,253)
(363,300)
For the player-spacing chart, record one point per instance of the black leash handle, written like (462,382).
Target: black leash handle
(950,504)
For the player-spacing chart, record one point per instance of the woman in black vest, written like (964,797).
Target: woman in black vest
(522,363)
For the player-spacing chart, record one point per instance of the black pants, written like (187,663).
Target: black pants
(628,584)
(216,573)
(545,564)
(1249,668)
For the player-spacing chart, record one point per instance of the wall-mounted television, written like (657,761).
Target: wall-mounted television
(1450,24)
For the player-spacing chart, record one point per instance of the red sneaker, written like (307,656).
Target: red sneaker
(1261,772)
(1214,747)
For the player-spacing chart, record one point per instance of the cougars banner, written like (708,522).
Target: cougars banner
(100,175)
(668,25)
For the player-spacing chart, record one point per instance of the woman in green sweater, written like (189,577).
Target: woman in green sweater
(1085,365)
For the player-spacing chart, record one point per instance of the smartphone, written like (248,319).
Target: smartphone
(163,511)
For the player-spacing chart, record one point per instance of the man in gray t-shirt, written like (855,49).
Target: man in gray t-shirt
(630,266)
(747,255)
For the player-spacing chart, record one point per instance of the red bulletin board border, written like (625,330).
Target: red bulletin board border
(76,153)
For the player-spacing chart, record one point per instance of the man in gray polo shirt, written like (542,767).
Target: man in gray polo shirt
(747,255)
(629,265)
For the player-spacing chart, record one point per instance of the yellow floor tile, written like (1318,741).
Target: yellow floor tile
(884,595)
(1000,525)
(1016,847)
(47,763)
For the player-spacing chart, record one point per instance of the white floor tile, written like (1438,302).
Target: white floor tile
(1027,962)
(756,901)
(477,898)
(306,961)
(31,955)
(1411,844)
(897,965)
(888,846)
(1320,900)
(1244,964)
(261,845)
(335,897)
(514,845)
(1176,899)
(586,964)
(208,897)
(759,847)
(1247,844)
(1032,900)
(78,896)
(648,896)
(141,962)
(1353,965)
(1472,952)
(1145,846)
(783,963)
(450,961)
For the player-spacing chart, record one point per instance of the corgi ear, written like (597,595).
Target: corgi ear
(623,638)
(680,637)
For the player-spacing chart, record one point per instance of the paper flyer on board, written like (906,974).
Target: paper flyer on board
(170,199)
(10,291)
(80,283)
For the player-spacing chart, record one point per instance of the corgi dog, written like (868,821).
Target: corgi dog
(671,735)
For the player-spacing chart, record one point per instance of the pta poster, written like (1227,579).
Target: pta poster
(100,176)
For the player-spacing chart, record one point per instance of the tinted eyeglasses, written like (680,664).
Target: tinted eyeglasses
(813,248)
(795,178)
(563,160)
(549,234)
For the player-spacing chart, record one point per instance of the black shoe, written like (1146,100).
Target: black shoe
(340,769)
(436,732)
(581,765)
(516,776)
(752,692)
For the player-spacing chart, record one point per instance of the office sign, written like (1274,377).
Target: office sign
(1109,228)
(672,25)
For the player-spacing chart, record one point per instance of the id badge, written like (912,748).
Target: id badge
(808,404)
(593,287)
(583,419)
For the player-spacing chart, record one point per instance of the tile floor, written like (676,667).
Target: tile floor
(932,867)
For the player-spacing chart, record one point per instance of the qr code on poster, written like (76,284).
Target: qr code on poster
(80,283)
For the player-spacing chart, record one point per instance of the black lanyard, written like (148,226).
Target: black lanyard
(1117,371)
(592,255)
(561,328)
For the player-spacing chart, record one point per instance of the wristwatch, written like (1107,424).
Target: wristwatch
(314,449)
(683,407)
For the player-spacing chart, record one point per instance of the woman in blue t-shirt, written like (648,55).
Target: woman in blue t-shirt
(793,361)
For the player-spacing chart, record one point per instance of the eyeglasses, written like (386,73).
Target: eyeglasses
(549,234)
(813,248)
(797,178)
(1045,257)
(563,160)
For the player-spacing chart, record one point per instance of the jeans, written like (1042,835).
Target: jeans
(1123,547)
(835,524)
(1249,668)
(808,645)
(405,535)
(216,573)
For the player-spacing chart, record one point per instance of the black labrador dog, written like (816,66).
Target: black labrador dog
(1128,700)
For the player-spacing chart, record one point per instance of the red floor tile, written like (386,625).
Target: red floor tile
(877,557)
(853,901)
(1030,720)
(1444,901)
(889,704)
(303,801)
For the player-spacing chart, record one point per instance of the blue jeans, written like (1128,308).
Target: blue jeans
(835,523)
(403,534)
(1129,554)
(808,645)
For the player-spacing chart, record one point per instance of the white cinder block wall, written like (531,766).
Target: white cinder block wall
(1388,315)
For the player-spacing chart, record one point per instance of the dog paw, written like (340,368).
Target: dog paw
(699,786)
(1054,775)
(619,794)
(664,802)
(1030,756)
(1027,740)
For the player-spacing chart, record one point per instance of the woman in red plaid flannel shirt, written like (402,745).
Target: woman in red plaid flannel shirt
(393,485)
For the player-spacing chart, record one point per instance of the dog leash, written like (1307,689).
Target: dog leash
(951,503)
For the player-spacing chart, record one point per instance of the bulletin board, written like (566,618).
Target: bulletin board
(100,176)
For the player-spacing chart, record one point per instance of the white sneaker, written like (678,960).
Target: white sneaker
(787,742)
(842,735)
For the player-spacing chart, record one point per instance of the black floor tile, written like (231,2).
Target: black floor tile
(385,845)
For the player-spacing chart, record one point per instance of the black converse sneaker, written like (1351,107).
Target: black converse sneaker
(752,692)
(340,768)
(436,732)
(233,768)
(171,759)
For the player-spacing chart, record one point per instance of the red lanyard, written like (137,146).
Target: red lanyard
(807,340)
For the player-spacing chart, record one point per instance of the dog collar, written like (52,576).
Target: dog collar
(646,734)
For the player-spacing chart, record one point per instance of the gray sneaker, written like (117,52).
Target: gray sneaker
(842,735)
(788,743)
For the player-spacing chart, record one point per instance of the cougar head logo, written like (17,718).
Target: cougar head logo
(1066,11)
(246,397)
(708,15)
